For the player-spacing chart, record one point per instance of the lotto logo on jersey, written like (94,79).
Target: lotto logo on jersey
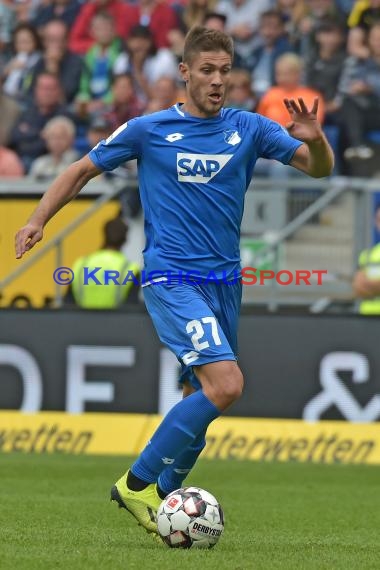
(200,167)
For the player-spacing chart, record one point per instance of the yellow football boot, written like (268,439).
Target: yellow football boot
(142,505)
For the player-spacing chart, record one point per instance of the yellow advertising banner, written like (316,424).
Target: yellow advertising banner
(90,433)
(35,287)
(294,440)
(227,438)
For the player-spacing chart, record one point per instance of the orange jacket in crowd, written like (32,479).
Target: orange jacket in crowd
(271,105)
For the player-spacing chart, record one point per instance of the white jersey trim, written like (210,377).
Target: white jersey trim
(156,280)
(176,107)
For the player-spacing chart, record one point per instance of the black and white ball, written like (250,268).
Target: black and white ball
(190,518)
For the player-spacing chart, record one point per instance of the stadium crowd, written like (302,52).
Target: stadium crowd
(73,71)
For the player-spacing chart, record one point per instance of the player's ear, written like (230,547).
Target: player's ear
(184,71)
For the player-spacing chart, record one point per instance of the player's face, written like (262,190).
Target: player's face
(207,79)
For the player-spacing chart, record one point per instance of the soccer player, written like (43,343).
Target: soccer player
(195,162)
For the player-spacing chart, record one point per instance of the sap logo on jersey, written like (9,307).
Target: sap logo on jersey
(200,167)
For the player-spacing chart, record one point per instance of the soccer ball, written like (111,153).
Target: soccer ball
(190,518)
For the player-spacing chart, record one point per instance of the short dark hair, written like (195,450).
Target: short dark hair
(329,24)
(272,14)
(115,232)
(100,122)
(140,31)
(27,27)
(217,15)
(200,39)
(126,75)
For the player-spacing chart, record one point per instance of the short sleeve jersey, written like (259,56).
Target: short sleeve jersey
(193,174)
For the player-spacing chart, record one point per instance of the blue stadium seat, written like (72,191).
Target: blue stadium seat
(373,137)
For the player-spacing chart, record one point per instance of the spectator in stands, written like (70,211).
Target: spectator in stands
(10,164)
(100,128)
(111,258)
(58,59)
(65,10)
(26,48)
(362,17)
(160,18)
(292,12)
(144,62)
(273,43)
(125,104)
(317,12)
(25,9)
(359,96)
(26,137)
(164,94)
(193,13)
(9,112)
(7,23)
(240,94)
(366,282)
(345,6)
(124,14)
(288,73)
(325,64)
(59,135)
(21,10)
(96,79)
(215,21)
(243,20)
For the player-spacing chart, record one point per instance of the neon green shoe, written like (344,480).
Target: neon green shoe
(142,505)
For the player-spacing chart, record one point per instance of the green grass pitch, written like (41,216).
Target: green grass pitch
(55,514)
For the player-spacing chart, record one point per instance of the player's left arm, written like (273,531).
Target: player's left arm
(61,191)
(315,157)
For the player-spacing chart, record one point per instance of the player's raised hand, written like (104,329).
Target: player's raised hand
(26,238)
(303,124)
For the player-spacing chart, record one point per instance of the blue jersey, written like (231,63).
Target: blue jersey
(193,174)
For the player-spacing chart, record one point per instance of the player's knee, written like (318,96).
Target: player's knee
(231,387)
(222,382)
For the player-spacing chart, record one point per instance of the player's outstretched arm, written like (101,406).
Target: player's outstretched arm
(64,188)
(316,156)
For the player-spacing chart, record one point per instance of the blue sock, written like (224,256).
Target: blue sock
(173,476)
(176,432)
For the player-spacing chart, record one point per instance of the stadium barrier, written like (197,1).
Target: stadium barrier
(228,438)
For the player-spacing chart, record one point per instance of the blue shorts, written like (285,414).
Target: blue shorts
(198,322)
